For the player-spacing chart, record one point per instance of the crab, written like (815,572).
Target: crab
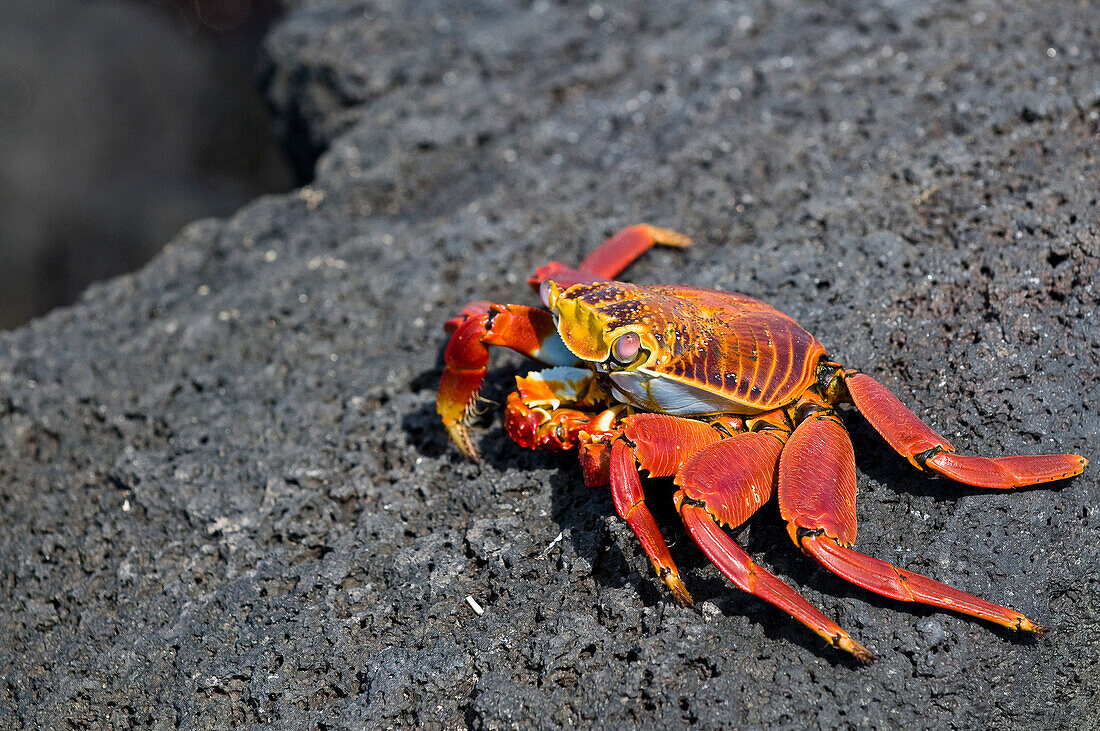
(730,398)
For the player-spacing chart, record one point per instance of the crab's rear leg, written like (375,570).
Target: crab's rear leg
(526,330)
(927,450)
(610,258)
(817,491)
(724,484)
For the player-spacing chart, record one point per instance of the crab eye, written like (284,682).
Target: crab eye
(626,347)
(544,292)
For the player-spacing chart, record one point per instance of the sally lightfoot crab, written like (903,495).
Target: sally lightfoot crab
(729,397)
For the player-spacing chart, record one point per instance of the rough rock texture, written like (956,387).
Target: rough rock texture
(225,497)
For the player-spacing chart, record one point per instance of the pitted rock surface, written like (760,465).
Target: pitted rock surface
(225,497)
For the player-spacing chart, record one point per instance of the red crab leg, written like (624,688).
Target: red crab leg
(472,309)
(526,330)
(817,488)
(927,450)
(725,483)
(662,443)
(611,257)
(595,459)
(658,444)
(626,491)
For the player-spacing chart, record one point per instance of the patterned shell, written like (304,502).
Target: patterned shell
(731,345)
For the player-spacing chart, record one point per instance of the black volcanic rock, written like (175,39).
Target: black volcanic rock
(226,498)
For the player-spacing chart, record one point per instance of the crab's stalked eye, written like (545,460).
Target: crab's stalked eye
(544,292)
(626,347)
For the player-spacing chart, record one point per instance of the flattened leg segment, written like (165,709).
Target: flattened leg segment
(821,521)
(626,491)
(927,450)
(664,443)
(732,478)
(726,482)
(817,479)
(900,427)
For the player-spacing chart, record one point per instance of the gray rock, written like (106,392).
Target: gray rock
(226,498)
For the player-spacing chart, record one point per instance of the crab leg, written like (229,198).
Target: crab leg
(626,491)
(611,257)
(526,330)
(472,309)
(724,484)
(927,450)
(817,488)
(659,444)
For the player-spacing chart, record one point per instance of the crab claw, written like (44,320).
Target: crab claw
(526,330)
(466,361)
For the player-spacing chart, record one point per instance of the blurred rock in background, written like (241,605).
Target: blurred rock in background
(120,121)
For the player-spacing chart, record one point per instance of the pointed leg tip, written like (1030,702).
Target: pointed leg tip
(1024,624)
(680,592)
(864,655)
(460,435)
(857,650)
(670,577)
(668,237)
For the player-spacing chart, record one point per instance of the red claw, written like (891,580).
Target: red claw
(556,430)
(473,309)
(523,329)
